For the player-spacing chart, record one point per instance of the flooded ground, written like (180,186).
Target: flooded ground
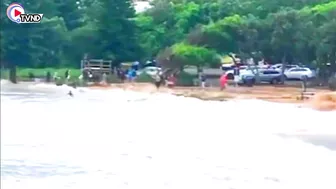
(123,139)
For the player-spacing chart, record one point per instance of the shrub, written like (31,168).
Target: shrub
(185,79)
(195,55)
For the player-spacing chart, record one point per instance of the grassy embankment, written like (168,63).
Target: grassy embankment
(184,79)
(23,73)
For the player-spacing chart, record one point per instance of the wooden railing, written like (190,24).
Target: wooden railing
(95,65)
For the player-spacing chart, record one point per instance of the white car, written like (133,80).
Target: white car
(279,67)
(243,73)
(299,73)
(150,70)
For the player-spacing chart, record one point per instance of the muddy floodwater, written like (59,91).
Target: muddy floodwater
(121,139)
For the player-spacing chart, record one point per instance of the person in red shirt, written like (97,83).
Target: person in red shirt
(171,80)
(223,81)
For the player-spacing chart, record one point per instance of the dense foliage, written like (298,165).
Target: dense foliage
(192,31)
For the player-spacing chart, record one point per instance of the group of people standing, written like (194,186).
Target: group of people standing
(129,74)
(223,80)
(159,79)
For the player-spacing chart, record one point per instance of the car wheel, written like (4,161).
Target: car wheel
(304,77)
(230,76)
(274,81)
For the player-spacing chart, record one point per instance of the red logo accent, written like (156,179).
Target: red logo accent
(16,13)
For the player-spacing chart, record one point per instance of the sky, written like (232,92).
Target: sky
(141,6)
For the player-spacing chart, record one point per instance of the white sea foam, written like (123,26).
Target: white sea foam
(123,139)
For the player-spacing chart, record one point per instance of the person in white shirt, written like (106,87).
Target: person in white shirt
(158,79)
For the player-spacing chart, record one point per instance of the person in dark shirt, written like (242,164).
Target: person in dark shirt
(203,80)
(70,94)
(31,76)
(48,77)
(236,73)
(121,74)
(66,74)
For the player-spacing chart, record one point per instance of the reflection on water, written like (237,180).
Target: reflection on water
(119,139)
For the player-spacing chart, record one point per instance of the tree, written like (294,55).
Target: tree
(286,33)
(184,54)
(222,35)
(71,12)
(300,31)
(117,30)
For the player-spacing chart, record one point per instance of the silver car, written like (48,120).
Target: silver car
(150,70)
(270,76)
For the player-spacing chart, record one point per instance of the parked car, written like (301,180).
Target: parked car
(279,67)
(151,70)
(243,72)
(270,76)
(244,76)
(299,73)
(226,67)
(149,63)
(332,82)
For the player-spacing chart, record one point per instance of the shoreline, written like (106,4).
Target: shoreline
(323,100)
(268,93)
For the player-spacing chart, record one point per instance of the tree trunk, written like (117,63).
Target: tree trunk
(12,74)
